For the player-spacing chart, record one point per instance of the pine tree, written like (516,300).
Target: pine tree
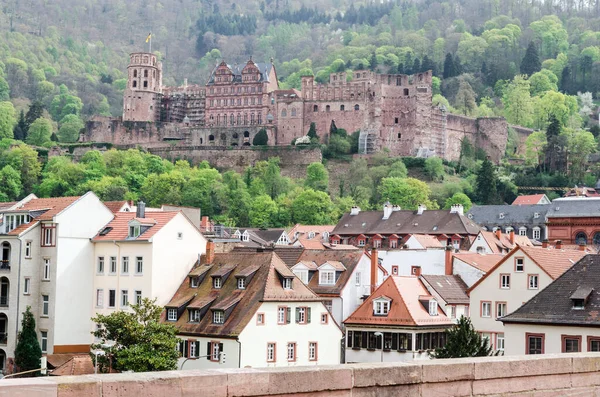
(457,66)
(312,132)
(400,68)
(553,147)
(261,138)
(463,341)
(565,80)
(373,62)
(427,64)
(449,70)
(531,61)
(408,64)
(417,66)
(28,352)
(20,130)
(487,183)
(35,111)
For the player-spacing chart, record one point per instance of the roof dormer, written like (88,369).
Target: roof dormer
(328,272)
(580,297)
(381,306)
(137,227)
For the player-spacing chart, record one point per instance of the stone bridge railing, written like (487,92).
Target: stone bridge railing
(555,375)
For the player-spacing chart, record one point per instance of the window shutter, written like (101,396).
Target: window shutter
(349,339)
(197,343)
(308,315)
(186,349)
(208,351)
(220,347)
(180,347)
(379,342)
(394,341)
(409,343)
(365,340)
(297,315)
(289,315)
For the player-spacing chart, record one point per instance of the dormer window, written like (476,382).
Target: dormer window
(194,282)
(536,215)
(311,234)
(241,283)
(246,236)
(501,216)
(302,275)
(433,308)
(171,314)
(194,315)
(578,304)
(580,297)
(218,317)
(287,283)
(134,231)
(327,277)
(381,307)
(217,282)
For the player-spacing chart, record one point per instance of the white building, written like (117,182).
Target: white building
(562,318)
(400,321)
(450,292)
(472,266)
(498,243)
(422,254)
(514,280)
(143,255)
(253,309)
(46,264)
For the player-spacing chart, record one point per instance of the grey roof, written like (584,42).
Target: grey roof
(452,289)
(405,222)
(574,207)
(554,305)
(514,215)
(263,67)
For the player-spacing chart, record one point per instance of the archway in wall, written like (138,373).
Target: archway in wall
(581,238)
(596,240)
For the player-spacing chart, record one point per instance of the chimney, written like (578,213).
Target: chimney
(581,247)
(205,223)
(545,243)
(558,244)
(448,261)
(141,210)
(387,211)
(210,252)
(374,268)
(498,233)
(420,209)
(354,210)
(457,209)
(511,236)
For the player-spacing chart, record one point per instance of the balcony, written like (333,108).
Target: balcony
(4,264)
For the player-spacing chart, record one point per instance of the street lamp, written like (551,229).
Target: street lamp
(378,334)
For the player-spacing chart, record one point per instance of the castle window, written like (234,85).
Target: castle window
(315,108)
(246,134)
(245,101)
(223,137)
(396,120)
(235,135)
(398,81)
(245,118)
(420,77)
(239,101)
(253,101)
(211,138)
(259,118)
(145,84)
(293,112)
(135,73)
(231,119)
(364,74)
(327,108)
(399,135)
(239,119)
(145,73)
(406,92)
(134,83)
(252,118)
(356,107)
(283,113)
(342,108)
(154,73)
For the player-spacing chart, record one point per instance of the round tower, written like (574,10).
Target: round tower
(141,101)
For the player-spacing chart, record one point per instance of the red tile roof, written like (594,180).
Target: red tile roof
(114,206)
(427,241)
(483,262)
(529,199)
(497,245)
(76,364)
(50,206)
(348,259)
(120,226)
(406,308)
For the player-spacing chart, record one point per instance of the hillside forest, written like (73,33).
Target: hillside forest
(536,63)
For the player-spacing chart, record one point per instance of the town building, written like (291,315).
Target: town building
(252,308)
(262,237)
(515,279)
(524,220)
(400,321)
(582,192)
(384,229)
(416,254)
(498,243)
(532,199)
(46,264)
(310,236)
(450,292)
(562,318)
(143,255)
(473,266)
(574,220)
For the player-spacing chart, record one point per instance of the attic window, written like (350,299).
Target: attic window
(134,231)
(218,317)
(327,277)
(105,231)
(536,215)
(241,283)
(580,297)
(381,307)
(578,304)
(194,315)
(217,282)
(171,314)
(311,234)
(287,283)
(501,216)
(194,282)
(433,308)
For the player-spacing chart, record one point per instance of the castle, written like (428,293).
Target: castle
(390,110)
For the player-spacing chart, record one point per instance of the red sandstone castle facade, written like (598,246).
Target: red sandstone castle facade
(390,111)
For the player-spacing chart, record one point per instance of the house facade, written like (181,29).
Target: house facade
(524,220)
(497,242)
(574,220)
(472,266)
(514,280)
(562,318)
(252,308)
(450,292)
(400,321)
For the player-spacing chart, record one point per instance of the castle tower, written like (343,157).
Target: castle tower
(141,100)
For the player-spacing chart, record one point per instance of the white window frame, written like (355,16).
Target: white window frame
(100,265)
(192,347)
(124,265)
(46,276)
(522,231)
(537,233)
(500,342)
(45,305)
(194,282)
(271,346)
(517,265)
(28,246)
(326,277)
(139,265)
(115,302)
(291,351)
(381,307)
(27,286)
(99,297)
(112,266)
(124,298)
(134,231)
(214,346)
(501,313)
(531,278)
(505,281)
(433,308)
(138,297)
(301,315)
(312,351)
(171,314)
(486,313)
(287,283)
(302,274)
(218,317)
(281,315)
(357,279)
(194,315)
(44,341)
(241,283)
(217,282)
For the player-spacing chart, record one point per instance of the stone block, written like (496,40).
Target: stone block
(246,382)
(147,384)
(448,370)
(521,384)
(516,366)
(194,381)
(388,391)
(460,388)
(585,379)
(309,379)
(586,362)
(27,387)
(75,386)
(385,374)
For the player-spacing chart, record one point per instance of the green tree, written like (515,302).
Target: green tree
(35,111)
(28,353)
(10,183)
(408,193)
(487,183)
(464,101)
(543,81)
(312,208)
(20,129)
(552,35)
(263,211)
(554,146)
(580,145)
(463,341)
(312,132)
(458,198)
(317,177)
(434,167)
(7,119)
(65,103)
(531,61)
(165,188)
(518,106)
(261,138)
(4,90)
(70,126)
(140,341)
(24,160)
(535,146)
(39,132)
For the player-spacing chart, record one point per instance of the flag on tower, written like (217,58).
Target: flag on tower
(149,37)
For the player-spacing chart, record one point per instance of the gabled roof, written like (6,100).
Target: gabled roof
(346,258)
(483,262)
(497,245)
(287,253)
(236,69)
(513,215)
(406,222)
(116,206)
(574,207)
(452,289)
(120,226)
(529,199)
(406,308)
(427,241)
(49,207)
(554,305)
(265,285)
(553,262)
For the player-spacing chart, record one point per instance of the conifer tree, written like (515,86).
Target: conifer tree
(417,66)
(463,341)
(400,68)
(458,70)
(20,130)
(531,61)
(312,131)
(487,183)
(553,147)
(449,70)
(28,352)
(373,62)
(565,80)
(261,138)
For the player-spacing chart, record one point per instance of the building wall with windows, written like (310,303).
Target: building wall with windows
(486,296)
(359,285)
(430,260)
(195,357)
(554,339)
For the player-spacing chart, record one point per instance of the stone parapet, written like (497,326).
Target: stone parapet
(565,374)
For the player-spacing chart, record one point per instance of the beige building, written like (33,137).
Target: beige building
(514,280)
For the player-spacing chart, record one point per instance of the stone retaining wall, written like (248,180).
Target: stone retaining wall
(531,376)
